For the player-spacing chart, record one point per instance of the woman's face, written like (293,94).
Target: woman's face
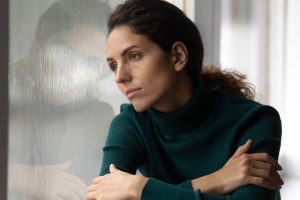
(144,73)
(73,63)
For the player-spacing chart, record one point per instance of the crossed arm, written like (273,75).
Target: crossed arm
(251,176)
(241,169)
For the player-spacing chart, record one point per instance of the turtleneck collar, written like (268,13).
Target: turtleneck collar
(188,116)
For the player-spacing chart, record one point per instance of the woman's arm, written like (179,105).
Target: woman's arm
(45,181)
(241,169)
(116,185)
(264,128)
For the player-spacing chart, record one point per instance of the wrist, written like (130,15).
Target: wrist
(138,186)
(208,184)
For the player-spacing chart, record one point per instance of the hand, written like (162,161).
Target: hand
(242,169)
(46,181)
(117,185)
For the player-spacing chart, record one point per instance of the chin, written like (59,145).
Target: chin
(139,107)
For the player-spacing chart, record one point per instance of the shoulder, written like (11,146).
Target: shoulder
(101,107)
(229,100)
(101,111)
(128,116)
(245,107)
(124,119)
(249,114)
(124,130)
(259,122)
(127,122)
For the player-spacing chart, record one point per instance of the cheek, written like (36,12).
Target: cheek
(161,77)
(121,88)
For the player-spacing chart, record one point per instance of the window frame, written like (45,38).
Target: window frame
(4,47)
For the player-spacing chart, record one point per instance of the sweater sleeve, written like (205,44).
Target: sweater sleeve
(263,126)
(122,147)
(158,190)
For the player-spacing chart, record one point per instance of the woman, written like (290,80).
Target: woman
(192,134)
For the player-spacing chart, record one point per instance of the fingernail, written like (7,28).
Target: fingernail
(246,142)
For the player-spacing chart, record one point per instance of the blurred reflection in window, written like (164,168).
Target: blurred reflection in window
(59,108)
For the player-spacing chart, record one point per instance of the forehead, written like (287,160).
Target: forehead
(87,39)
(123,37)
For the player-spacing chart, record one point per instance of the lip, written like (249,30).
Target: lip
(131,92)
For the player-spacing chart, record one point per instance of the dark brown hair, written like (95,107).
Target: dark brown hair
(64,14)
(165,24)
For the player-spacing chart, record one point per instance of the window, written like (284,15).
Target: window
(261,39)
(62,97)
(244,41)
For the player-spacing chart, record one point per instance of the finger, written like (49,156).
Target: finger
(269,168)
(242,149)
(65,193)
(64,166)
(270,176)
(264,157)
(74,184)
(112,168)
(262,183)
(93,188)
(73,179)
(97,180)
(67,165)
(76,189)
(264,165)
(53,196)
(91,196)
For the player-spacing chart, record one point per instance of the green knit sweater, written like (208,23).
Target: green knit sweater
(195,140)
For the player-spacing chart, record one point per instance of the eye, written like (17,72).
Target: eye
(113,66)
(134,56)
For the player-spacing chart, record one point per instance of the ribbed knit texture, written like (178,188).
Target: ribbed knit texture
(195,140)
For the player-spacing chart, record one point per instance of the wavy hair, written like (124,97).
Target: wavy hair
(164,24)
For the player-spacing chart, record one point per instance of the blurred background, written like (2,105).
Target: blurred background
(62,95)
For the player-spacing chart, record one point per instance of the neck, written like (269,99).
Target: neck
(179,95)
(189,115)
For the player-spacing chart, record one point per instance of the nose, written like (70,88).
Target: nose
(122,74)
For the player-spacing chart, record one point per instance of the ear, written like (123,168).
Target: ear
(179,55)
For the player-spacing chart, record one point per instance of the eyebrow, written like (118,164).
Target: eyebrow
(125,51)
